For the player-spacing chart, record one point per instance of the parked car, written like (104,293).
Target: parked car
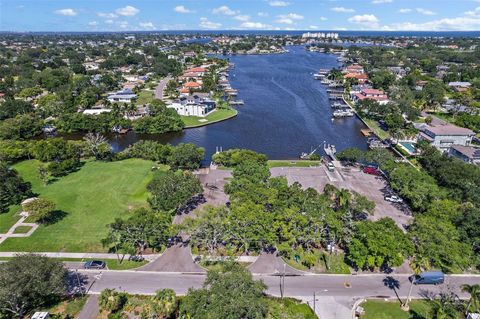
(428,278)
(372,171)
(94,264)
(330,166)
(393,199)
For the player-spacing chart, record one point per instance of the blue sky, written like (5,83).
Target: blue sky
(133,15)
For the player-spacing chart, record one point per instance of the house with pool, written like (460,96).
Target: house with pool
(444,135)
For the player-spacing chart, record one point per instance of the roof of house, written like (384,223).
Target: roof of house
(192,85)
(355,67)
(198,69)
(461,84)
(449,129)
(373,92)
(356,76)
(468,151)
(361,96)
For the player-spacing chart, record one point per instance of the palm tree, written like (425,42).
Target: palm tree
(443,310)
(473,302)
(343,197)
(418,264)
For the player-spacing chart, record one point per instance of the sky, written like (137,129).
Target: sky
(139,15)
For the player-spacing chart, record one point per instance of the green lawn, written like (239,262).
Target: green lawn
(9,218)
(379,309)
(217,116)
(71,307)
(91,198)
(373,125)
(292,163)
(145,97)
(289,308)
(22,229)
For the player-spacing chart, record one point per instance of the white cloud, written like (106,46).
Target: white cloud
(425,11)
(254,25)
(313,27)
(127,11)
(342,9)
(323,19)
(182,9)
(284,21)
(262,14)
(147,25)
(447,24)
(109,21)
(207,24)
(107,15)
(381,1)
(405,10)
(292,16)
(473,13)
(242,17)
(93,23)
(366,20)
(66,12)
(278,3)
(224,10)
(288,18)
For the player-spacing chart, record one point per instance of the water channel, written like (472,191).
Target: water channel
(286,111)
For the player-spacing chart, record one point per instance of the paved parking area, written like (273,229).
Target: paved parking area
(373,187)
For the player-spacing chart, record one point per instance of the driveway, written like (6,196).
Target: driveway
(271,263)
(177,258)
(161,87)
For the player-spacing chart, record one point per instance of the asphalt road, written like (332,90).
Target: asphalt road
(352,286)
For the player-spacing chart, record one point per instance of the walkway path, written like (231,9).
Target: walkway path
(90,309)
(11,232)
(77,255)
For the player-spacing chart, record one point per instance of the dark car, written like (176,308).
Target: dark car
(94,264)
(428,278)
(372,171)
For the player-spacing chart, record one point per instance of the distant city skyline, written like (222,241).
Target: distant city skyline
(149,15)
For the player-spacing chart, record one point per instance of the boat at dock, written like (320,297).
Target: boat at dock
(343,113)
(237,102)
(337,105)
(306,156)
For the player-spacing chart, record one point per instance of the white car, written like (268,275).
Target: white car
(393,199)
(330,166)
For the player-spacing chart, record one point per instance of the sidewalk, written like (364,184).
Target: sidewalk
(77,255)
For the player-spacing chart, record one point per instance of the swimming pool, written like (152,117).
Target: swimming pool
(409,147)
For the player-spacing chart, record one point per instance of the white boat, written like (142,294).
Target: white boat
(342,113)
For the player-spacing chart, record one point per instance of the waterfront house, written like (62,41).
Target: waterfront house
(125,96)
(198,104)
(468,154)
(443,135)
(460,86)
(361,77)
(373,94)
(355,68)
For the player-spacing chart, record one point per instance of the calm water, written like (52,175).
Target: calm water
(286,111)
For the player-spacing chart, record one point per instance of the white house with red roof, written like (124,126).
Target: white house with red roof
(372,94)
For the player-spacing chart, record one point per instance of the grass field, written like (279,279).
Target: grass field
(145,97)
(22,229)
(217,116)
(9,218)
(379,309)
(91,198)
(292,163)
(373,125)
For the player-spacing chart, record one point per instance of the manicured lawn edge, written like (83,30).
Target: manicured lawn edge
(186,118)
(292,163)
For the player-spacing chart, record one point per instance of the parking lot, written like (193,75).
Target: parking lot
(371,186)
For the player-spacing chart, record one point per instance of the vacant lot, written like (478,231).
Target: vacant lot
(90,199)
(373,187)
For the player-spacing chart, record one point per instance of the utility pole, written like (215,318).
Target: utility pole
(314,302)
